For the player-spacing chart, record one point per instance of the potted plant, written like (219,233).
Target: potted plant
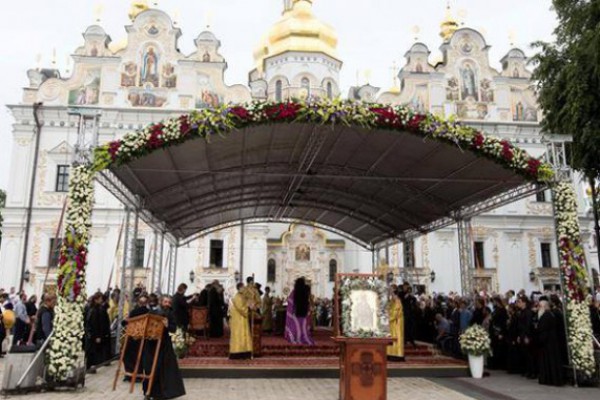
(475,342)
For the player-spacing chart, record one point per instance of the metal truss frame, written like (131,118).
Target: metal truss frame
(471,211)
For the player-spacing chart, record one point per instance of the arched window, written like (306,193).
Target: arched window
(305,83)
(332,270)
(329,90)
(271,270)
(278,90)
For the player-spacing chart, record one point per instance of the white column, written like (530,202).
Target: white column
(255,252)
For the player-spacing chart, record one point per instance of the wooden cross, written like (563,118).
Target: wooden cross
(366,369)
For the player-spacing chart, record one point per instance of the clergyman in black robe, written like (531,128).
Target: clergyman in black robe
(498,335)
(168,383)
(97,333)
(550,365)
(216,306)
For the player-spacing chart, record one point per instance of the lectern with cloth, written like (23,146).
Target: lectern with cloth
(361,312)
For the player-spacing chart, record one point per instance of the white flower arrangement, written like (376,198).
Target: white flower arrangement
(573,272)
(580,338)
(180,345)
(66,349)
(476,341)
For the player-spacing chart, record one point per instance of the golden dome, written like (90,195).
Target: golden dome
(137,7)
(297,30)
(448,25)
(117,46)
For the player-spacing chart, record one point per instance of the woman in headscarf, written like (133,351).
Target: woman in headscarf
(298,318)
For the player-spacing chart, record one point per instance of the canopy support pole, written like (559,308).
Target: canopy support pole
(133,251)
(123,278)
(174,271)
(151,284)
(160,263)
(465,252)
(242,230)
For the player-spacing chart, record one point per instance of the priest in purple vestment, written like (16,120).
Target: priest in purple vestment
(298,318)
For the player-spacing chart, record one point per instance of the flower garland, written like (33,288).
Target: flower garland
(476,341)
(574,275)
(66,344)
(225,119)
(374,284)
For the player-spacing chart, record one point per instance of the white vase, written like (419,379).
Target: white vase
(476,366)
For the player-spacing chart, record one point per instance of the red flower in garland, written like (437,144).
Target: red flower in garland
(478,140)
(283,111)
(414,124)
(184,125)
(113,148)
(240,112)
(156,140)
(507,150)
(386,117)
(533,165)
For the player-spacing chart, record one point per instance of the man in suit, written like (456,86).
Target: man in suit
(181,307)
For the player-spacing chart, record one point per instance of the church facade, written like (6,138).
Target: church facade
(146,78)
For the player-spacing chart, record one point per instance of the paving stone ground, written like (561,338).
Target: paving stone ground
(499,386)
(99,387)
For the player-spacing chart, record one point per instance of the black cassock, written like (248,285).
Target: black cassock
(97,336)
(498,335)
(216,305)
(550,372)
(133,346)
(168,383)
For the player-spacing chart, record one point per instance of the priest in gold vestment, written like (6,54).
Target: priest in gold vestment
(240,344)
(395,352)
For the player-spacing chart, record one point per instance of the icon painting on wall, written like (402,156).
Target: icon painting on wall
(89,92)
(129,74)
(469,86)
(303,253)
(168,76)
(147,97)
(149,72)
(207,97)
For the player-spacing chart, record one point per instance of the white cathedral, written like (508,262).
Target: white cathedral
(146,78)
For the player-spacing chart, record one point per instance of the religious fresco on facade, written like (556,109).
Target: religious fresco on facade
(420,101)
(89,92)
(452,90)
(303,253)
(149,70)
(487,93)
(521,108)
(207,97)
(147,97)
(469,87)
(471,110)
(169,78)
(129,74)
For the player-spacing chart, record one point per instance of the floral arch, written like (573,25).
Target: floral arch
(66,348)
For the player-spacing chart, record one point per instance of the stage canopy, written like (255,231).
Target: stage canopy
(371,184)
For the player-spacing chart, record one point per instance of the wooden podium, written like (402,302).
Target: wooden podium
(143,328)
(363,368)
(256,335)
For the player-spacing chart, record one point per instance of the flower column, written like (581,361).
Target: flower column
(66,351)
(574,279)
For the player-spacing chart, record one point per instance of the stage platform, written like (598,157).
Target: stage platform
(209,359)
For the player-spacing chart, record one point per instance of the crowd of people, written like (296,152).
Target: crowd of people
(29,321)
(527,332)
